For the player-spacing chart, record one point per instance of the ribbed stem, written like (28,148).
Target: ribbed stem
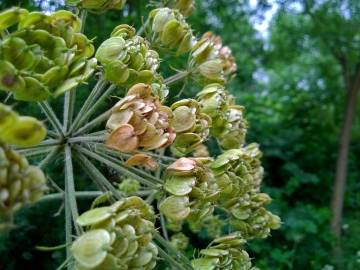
(177,77)
(51,116)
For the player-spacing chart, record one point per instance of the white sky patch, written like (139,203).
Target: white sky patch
(262,26)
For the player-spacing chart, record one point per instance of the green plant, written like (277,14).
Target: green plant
(53,57)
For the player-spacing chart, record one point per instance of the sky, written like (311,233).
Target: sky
(263,26)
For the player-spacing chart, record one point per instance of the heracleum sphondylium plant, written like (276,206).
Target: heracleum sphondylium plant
(167,177)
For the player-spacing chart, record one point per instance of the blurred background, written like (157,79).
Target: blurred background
(298,76)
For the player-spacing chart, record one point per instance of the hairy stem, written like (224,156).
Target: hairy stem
(98,120)
(78,194)
(70,198)
(118,167)
(51,116)
(50,157)
(177,77)
(93,96)
(98,178)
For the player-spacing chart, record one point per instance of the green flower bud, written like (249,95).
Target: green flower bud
(129,186)
(45,55)
(127,59)
(171,29)
(117,237)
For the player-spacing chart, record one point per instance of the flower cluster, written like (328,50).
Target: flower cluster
(139,120)
(213,62)
(171,29)
(228,123)
(191,126)
(20,130)
(20,183)
(223,52)
(98,5)
(224,253)
(192,189)
(46,54)
(117,237)
(127,58)
(238,173)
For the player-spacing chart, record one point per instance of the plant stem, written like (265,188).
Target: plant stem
(96,105)
(51,116)
(99,179)
(50,157)
(143,27)
(69,104)
(36,152)
(94,94)
(133,170)
(98,120)
(184,264)
(78,194)
(163,227)
(172,262)
(119,168)
(80,139)
(70,198)
(177,77)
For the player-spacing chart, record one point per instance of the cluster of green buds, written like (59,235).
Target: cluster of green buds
(250,217)
(18,130)
(186,7)
(171,29)
(140,120)
(193,191)
(98,6)
(127,58)
(228,123)
(117,237)
(180,241)
(46,54)
(191,126)
(20,183)
(238,173)
(224,253)
(129,186)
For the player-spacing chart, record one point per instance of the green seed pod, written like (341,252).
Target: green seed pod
(45,55)
(98,6)
(213,61)
(18,130)
(228,123)
(171,30)
(192,191)
(19,183)
(139,121)
(117,237)
(238,173)
(234,136)
(127,58)
(224,253)
(191,126)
